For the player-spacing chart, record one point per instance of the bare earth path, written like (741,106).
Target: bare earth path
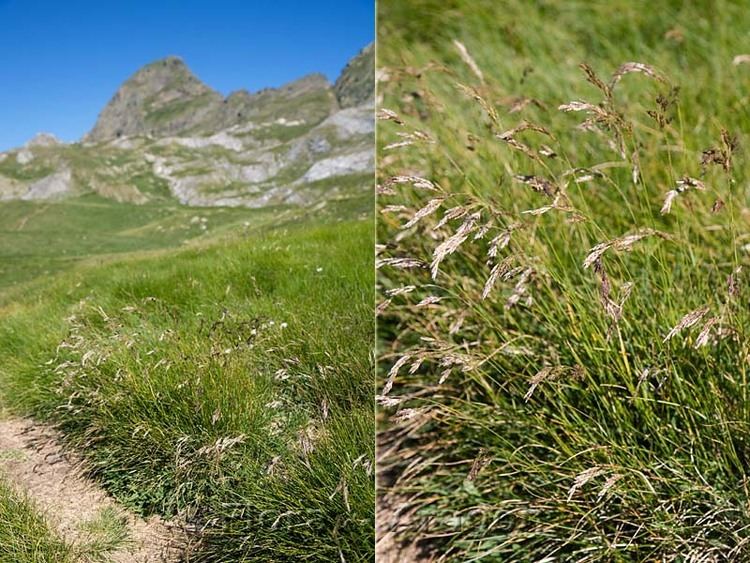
(387,547)
(391,516)
(33,461)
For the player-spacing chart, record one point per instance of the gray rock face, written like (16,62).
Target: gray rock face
(163,98)
(24,156)
(342,165)
(43,140)
(54,186)
(356,85)
(353,121)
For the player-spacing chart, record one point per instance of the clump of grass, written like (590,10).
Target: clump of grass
(25,536)
(564,355)
(105,533)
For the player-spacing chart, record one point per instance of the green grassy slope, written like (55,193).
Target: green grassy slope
(42,238)
(229,382)
(541,412)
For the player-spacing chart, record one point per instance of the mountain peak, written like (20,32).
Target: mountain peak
(162,98)
(169,72)
(356,85)
(174,60)
(168,66)
(43,140)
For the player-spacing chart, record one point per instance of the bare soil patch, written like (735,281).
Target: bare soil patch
(393,514)
(33,460)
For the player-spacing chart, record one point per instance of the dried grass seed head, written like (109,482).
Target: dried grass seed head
(687,321)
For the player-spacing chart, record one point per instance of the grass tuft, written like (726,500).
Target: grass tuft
(25,536)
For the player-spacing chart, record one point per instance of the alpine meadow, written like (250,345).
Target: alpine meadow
(563,264)
(186,327)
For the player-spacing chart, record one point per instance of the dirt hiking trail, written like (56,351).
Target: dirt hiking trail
(33,461)
(391,514)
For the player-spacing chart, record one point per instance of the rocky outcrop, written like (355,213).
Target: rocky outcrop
(341,165)
(356,85)
(24,156)
(163,98)
(352,121)
(43,140)
(54,186)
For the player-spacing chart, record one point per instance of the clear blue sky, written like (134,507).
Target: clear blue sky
(62,60)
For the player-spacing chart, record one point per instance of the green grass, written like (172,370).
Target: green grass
(38,238)
(34,170)
(537,428)
(25,536)
(230,383)
(107,532)
(162,115)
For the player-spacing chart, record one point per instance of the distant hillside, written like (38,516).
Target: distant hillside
(167,135)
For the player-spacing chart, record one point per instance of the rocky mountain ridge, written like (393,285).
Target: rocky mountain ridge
(167,135)
(166,99)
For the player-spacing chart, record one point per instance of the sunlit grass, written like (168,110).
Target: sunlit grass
(229,385)
(539,410)
(25,537)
